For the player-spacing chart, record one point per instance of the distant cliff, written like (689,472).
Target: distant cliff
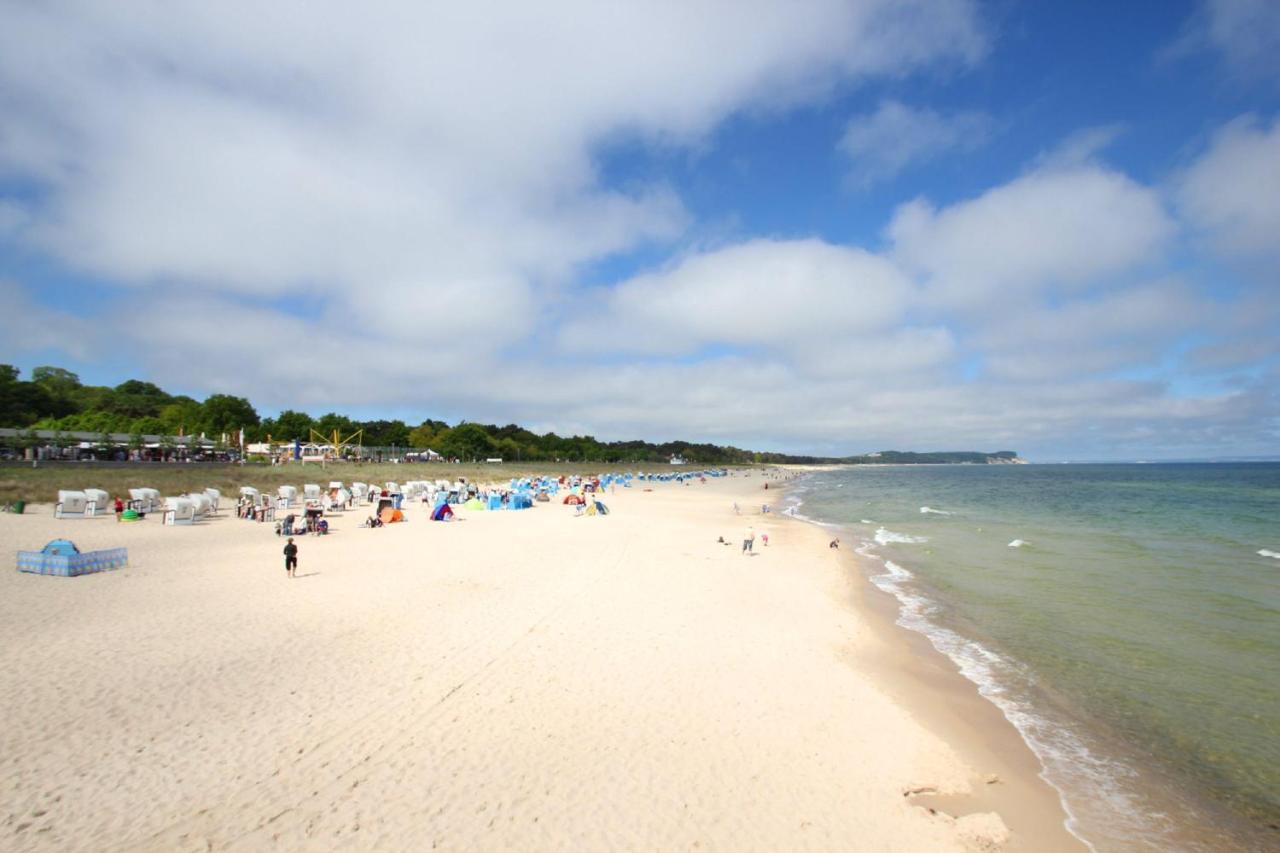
(957,457)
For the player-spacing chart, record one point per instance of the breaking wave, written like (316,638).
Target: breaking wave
(884,536)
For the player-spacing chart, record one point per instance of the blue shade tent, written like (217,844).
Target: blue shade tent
(62,547)
(61,558)
(520,501)
(495,501)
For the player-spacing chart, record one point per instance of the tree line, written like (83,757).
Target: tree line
(54,398)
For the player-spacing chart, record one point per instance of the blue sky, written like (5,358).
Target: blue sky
(822,227)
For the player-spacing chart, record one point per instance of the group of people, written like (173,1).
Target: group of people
(313,523)
(749,541)
(249,510)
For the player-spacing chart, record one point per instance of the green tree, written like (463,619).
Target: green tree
(138,388)
(57,379)
(223,413)
(327,423)
(136,399)
(466,441)
(423,437)
(289,425)
(22,403)
(148,426)
(509,449)
(62,385)
(427,434)
(181,416)
(386,433)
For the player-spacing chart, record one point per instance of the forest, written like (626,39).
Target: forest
(54,398)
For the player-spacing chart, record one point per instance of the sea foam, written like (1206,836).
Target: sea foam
(1275,555)
(1018,543)
(928,510)
(884,536)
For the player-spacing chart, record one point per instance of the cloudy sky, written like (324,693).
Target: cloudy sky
(809,226)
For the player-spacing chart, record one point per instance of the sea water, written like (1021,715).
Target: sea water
(1126,618)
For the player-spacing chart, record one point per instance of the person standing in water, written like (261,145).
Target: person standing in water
(290,558)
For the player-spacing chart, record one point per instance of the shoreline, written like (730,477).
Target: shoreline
(524,679)
(1152,804)
(932,688)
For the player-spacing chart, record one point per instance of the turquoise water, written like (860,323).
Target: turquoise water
(1120,615)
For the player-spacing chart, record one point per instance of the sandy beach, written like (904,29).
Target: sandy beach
(516,680)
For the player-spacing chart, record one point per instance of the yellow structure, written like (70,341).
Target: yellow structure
(338,443)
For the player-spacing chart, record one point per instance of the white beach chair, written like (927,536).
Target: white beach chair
(145,499)
(179,511)
(200,504)
(70,504)
(96,501)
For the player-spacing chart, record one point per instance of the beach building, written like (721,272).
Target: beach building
(57,445)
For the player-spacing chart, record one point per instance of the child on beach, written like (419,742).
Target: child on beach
(749,540)
(290,558)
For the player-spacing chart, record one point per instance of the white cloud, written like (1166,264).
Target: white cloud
(761,293)
(1127,329)
(13,217)
(1232,192)
(28,327)
(1052,229)
(1247,32)
(882,144)
(900,355)
(1081,149)
(376,155)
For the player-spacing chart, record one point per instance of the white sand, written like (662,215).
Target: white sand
(520,680)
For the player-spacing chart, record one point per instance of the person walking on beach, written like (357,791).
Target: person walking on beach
(749,540)
(119,508)
(290,558)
